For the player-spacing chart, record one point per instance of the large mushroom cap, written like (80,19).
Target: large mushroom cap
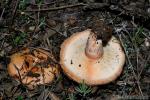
(32,67)
(80,67)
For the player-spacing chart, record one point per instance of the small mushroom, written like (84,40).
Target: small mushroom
(83,58)
(32,67)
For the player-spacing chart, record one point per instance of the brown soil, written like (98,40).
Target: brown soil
(47,23)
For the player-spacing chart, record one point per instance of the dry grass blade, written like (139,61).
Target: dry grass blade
(1,17)
(145,63)
(20,79)
(146,35)
(44,95)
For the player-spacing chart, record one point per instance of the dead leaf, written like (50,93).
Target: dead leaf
(51,22)
(1,67)
(52,96)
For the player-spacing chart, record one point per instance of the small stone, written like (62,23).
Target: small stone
(148,10)
(2,53)
(72,20)
(22,13)
(33,28)
(51,22)
(147,42)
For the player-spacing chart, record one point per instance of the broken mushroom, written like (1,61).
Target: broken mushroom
(83,58)
(32,67)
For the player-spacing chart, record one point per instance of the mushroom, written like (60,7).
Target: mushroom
(84,58)
(32,67)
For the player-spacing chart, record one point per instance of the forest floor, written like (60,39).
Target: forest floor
(47,23)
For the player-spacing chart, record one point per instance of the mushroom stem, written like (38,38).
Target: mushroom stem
(94,47)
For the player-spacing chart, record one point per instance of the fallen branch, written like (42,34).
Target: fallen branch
(56,8)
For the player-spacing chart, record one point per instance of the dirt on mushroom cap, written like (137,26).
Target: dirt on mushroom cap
(32,67)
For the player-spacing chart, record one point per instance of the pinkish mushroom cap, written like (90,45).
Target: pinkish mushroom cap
(83,58)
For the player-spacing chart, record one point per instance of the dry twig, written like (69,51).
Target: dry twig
(56,8)
(14,11)
(135,76)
